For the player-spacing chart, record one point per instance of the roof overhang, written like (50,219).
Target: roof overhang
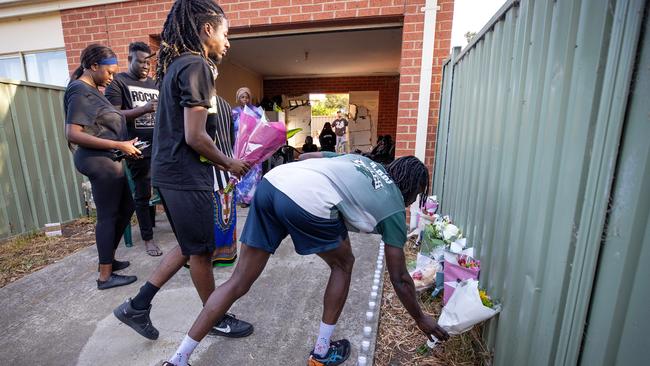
(24,8)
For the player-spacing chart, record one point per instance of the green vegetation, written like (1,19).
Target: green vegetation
(329,106)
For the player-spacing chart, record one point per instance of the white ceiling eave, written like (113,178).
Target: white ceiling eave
(316,76)
(367,52)
(21,8)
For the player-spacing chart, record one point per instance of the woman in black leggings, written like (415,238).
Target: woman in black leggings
(94,128)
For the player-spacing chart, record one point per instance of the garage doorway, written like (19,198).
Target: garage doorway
(361,63)
(360,108)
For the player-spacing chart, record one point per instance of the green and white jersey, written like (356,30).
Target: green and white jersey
(351,185)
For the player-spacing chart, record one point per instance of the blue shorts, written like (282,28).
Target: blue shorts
(273,215)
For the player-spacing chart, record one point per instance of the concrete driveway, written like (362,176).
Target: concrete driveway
(56,316)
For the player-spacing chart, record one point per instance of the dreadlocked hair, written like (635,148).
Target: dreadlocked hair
(182,29)
(410,175)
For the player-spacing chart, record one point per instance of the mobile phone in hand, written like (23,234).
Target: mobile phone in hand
(118,155)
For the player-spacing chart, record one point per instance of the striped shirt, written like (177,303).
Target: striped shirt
(220,115)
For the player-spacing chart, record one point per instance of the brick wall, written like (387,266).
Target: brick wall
(410,75)
(388,87)
(116,25)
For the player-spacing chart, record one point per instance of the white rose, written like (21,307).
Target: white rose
(450,232)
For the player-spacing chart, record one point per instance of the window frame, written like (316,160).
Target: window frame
(21,58)
(23,64)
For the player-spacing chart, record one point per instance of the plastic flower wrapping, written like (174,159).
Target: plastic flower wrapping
(424,273)
(467,307)
(431,205)
(257,139)
(457,273)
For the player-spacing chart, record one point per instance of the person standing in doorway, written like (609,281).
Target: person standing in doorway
(327,138)
(194,40)
(136,95)
(340,125)
(94,128)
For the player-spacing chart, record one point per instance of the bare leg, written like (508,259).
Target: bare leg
(152,248)
(249,267)
(169,265)
(341,261)
(202,275)
(105,271)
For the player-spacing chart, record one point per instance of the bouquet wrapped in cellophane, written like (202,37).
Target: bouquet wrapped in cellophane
(467,307)
(257,139)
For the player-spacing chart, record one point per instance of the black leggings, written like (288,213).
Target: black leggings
(112,199)
(141,174)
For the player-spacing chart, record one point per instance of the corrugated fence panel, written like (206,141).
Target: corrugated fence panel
(16,204)
(39,182)
(621,295)
(532,114)
(443,127)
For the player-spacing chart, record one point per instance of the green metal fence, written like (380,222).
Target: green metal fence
(39,183)
(543,159)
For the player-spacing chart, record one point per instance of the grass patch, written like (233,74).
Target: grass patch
(24,254)
(400,342)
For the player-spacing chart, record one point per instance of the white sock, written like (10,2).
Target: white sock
(323,341)
(182,355)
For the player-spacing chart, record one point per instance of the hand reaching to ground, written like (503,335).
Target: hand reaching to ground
(430,327)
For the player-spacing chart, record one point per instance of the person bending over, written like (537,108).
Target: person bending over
(315,201)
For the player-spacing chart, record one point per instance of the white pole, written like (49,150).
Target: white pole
(428,38)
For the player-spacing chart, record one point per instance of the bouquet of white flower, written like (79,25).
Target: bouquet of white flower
(446,230)
(467,307)
(439,234)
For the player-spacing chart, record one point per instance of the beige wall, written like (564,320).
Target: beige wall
(232,77)
(31,33)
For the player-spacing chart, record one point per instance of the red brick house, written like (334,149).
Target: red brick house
(294,47)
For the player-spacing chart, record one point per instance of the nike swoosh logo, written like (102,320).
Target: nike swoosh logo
(223,330)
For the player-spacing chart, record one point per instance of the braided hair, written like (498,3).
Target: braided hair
(410,175)
(91,55)
(181,31)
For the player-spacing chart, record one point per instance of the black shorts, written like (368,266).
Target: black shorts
(191,216)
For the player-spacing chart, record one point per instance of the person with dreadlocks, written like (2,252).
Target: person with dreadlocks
(316,201)
(193,41)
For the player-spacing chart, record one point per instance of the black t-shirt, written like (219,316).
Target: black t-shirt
(340,126)
(88,107)
(307,148)
(128,92)
(188,82)
(327,140)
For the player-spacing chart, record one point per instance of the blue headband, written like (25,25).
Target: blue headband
(108,61)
